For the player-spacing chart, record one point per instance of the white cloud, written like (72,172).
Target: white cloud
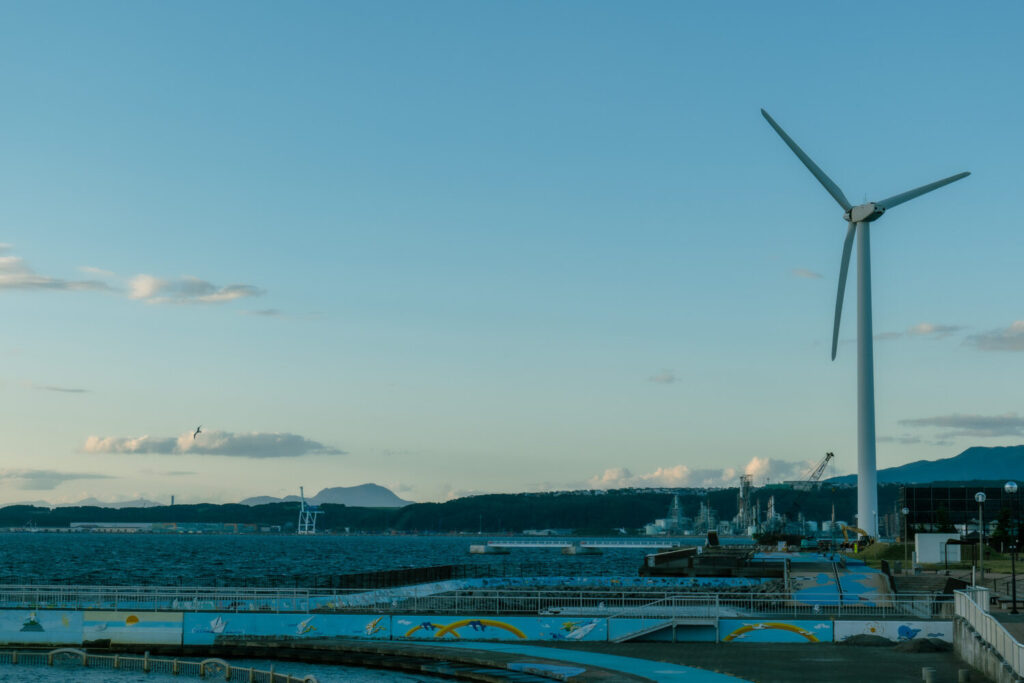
(15,274)
(251,445)
(803,272)
(933,330)
(682,476)
(185,290)
(1007,339)
(925,330)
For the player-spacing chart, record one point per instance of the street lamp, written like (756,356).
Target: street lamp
(980,497)
(1011,488)
(906,536)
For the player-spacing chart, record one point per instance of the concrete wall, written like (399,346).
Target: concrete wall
(980,655)
(896,631)
(63,627)
(932,548)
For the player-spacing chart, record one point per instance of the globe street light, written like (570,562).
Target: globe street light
(1011,489)
(980,497)
(906,536)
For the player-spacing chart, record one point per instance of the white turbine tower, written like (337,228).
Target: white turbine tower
(859,219)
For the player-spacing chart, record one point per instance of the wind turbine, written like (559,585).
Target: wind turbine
(858,219)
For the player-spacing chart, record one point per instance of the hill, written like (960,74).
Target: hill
(975,464)
(363,496)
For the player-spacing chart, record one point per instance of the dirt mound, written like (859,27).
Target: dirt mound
(866,640)
(924,645)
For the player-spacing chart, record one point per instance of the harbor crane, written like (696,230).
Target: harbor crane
(816,473)
(307,516)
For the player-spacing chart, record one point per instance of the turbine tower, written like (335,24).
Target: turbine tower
(858,219)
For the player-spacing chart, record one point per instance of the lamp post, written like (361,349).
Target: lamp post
(980,497)
(1011,488)
(906,536)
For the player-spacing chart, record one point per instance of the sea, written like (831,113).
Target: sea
(285,560)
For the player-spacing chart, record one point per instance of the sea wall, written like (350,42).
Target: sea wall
(94,627)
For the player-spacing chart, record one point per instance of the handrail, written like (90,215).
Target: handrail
(147,664)
(990,629)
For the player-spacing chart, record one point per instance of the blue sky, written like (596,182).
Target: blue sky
(468,247)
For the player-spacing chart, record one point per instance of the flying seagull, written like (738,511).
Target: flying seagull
(199,430)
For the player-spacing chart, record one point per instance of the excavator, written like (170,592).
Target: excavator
(857,532)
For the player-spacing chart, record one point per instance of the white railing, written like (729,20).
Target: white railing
(667,612)
(989,629)
(155,598)
(603,603)
(218,668)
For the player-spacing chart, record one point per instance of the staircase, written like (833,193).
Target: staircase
(675,610)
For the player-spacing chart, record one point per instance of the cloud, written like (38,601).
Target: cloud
(63,390)
(251,445)
(1007,339)
(1009,424)
(186,290)
(44,480)
(680,476)
(933,331)
(15,274)
(267,312)
(664,377)
(928,330)
(803,272)
(97,271)
(905,440)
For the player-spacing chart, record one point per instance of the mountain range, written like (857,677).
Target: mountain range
(364,495)
(975,464)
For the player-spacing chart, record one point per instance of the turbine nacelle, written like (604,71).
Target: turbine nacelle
(865,213)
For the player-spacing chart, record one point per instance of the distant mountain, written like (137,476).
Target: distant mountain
(974,464)
(363,496)
(93,502)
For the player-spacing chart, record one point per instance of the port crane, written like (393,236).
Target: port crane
(307,516)
(815,475)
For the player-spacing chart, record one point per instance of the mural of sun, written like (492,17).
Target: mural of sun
(131,620)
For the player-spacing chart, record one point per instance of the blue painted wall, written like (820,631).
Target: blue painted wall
(205,628)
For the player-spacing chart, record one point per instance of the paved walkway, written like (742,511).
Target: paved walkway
(791,662)
(654,670)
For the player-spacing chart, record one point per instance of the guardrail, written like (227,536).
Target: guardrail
(603,603)
(989,629)
(156,598)
(595,601)
(64,657)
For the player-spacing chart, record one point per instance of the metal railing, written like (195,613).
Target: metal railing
(989,629)
(598,601)
(155,598)
(603,603)
(667,612)
(217,668)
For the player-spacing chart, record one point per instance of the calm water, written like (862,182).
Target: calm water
(324,674)
(153,559)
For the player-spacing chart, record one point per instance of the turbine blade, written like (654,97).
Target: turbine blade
(896,200)
(826,182)
(844,268)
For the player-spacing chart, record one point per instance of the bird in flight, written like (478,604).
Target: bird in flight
(199,430)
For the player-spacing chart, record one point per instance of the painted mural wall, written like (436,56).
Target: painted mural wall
(208,628)
(505,628)
(896,631)
(137,628)
(774,631)
(54,627)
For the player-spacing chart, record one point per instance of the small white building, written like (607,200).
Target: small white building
(936,549)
